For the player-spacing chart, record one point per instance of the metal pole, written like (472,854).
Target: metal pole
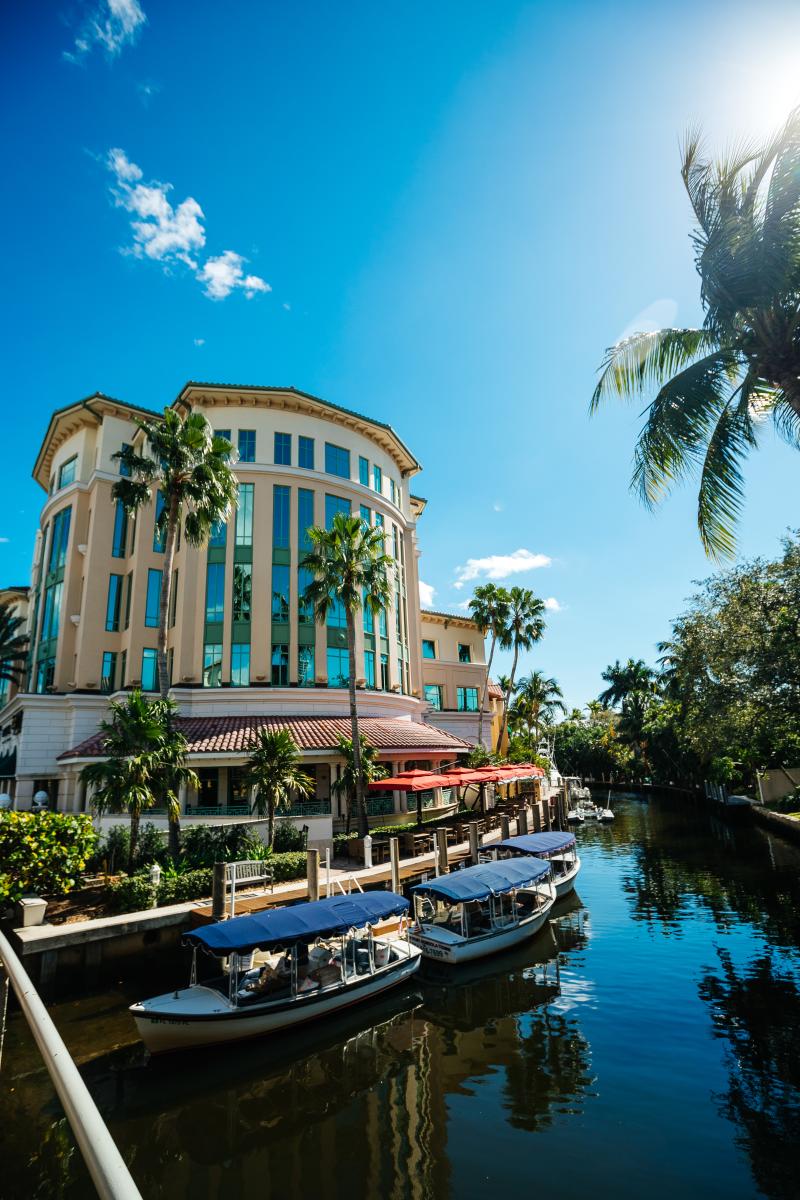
(106,1165)
(394,859)
(328,871)
(312,857)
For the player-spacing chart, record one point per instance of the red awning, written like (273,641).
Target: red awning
(410,781)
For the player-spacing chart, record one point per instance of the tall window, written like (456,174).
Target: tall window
(333,505)
(244,515)
(337,460)
(212,664)
(247,445)
(369,617)
(124,469)
(377,478)
(173,599)
(280,517)
(363,471)
(51,613)
(66,473)
(112,604)
(149,670)
(338,668)
(366,514)
(305,453)
(159,539)
(305,519)
(240,664)
(467,698)
(305,611)
(280,666)
(242,591)
(382,629)
(337,616)
(464,653)
(123,668)
(108,671)
(393,491)
(120,531)
(153,599)
(215,592)
(384,672)
(283,449)
(280,592)
(219,532)
(223,433)
(305,666)
(369,668)
(58,545)
(428,648)
(433,694)
(128,592)
(45,674)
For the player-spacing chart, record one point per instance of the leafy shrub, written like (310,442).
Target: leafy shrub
(151,847)
(203,845)
(291,865)
(134,893)
(340,841)
(288,837)
(43,852)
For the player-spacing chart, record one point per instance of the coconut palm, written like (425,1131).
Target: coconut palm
(525,626)
(371,770)
(145,761)
(624,680)
(275,774)
(718,382)
(13,644)
(350,568)
(538,698)
(490,607)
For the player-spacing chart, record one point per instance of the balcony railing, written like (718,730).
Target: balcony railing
(219,810)
(379,805)
(306,808)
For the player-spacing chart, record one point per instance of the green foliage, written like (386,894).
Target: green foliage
(288,837)
(371,770)
(288,866)
(275,773)
(340,841)
(204,845)
(43,853)
(13,643)
(114,849)
(135,892)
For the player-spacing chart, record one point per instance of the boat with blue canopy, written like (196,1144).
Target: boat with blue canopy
(480,910)
(556,847)
(283,967)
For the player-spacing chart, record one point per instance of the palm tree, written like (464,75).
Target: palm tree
(145,763)
(525,628)
(351,568)
(274,772)
(371,770)
(490,609)
(634,676)
(13,644)
(718,383)
(594,709)
(538,699)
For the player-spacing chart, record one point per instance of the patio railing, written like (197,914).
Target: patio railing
(378,806)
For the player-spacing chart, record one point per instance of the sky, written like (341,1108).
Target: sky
(437,214)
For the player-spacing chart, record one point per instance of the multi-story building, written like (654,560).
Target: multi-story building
(243,650)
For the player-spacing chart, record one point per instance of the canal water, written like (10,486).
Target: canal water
(647,1045)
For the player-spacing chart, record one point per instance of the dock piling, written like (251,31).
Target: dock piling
(312,872)
(474,842)
(394,860)
(218,892)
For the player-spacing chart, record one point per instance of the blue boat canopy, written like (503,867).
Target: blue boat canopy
(297,923)
(539,843)
(485,880)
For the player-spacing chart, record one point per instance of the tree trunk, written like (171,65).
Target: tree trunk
(134,839)
(485,689)
(271,820)
(358,782)
(173,817)
(507,698)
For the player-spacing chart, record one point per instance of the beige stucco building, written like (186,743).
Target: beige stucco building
(242,648)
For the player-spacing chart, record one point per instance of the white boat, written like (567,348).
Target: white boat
(286,966)
(481,910)
(575,816)
(554,847)
(607,813)
(588,809)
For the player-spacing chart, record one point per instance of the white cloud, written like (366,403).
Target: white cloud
(147,89)
(463,605)
(552,605)
(169,235)
(499,566)
(112,24)
(5,539)
(426,593)
(288,307)
(199,341)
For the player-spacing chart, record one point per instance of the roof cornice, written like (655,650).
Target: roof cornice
(67,420)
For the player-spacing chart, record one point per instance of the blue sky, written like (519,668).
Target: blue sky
(455,207)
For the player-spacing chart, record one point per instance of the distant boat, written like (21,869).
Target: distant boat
(557,848)
(607,813)
(286,966)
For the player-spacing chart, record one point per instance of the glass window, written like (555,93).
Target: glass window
(123,668)
(337,460)
(223,433)
(379,521)
(283,449)
(377,478)
(66,473)
(242,591)
(120,531)
(212,664)
(128,593)
(305,518)
(153,599)
(363,471)
(112,604)
(464,653)
(215,592)
(305,452)
(58,545)
(240,664)
(51,615)
(173,599)
(219,533)
(382,623)
(395,542)
(337,617)
(159,539)
(305,666)
(392,491)
(149,670)
(305,611)
(338,668)
(433,694)
(124,469)
(45,674)
(244,515)
(334,505)
(280,517)
(108,671)
(467,699)
(385,672)
(247,445)
(369,616)
(280,666)
(400,673)
(366,514)
(428,648)
(280,592)
(369,668)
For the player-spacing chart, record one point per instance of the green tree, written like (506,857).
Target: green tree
(716,384)
(371,770)
(525,628)
(13,644)
(275,774)
(624,680)
(537,700)
(145,762)
(351,568)
(490,607)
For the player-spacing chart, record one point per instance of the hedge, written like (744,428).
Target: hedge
(134,893)
(43,853)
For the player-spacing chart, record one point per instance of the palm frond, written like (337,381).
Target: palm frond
(721,485)
(645,360)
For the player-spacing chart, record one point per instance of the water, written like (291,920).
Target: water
(649,1045)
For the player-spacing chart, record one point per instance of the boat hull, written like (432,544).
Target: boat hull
(564,884)
(164,1027)
(455,950)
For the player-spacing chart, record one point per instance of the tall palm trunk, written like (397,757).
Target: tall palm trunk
(134,837)
(486,689)
(270,821)
(361,805)
(506,699)
(173,817)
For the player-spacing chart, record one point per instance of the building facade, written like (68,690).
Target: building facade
(242,646)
